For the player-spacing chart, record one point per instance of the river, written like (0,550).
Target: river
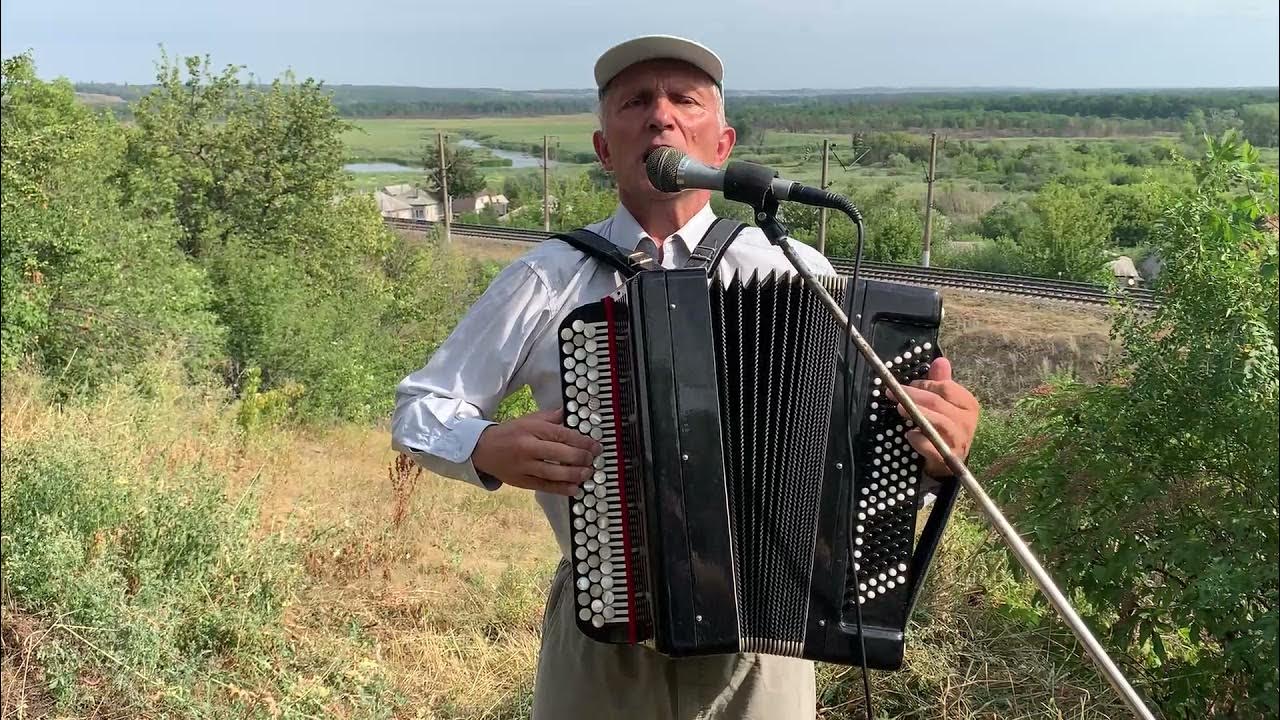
(518,160)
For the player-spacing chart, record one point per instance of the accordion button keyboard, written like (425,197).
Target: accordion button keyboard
(891,487)
(597,515)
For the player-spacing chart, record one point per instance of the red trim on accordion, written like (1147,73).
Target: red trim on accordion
(622,480)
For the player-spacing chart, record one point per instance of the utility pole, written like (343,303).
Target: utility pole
(444,188)
(822,214)
(928,200)
(546,188)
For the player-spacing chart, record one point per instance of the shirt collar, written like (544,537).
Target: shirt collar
(626,232)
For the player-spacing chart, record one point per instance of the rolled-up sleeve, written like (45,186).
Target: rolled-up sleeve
(442,409)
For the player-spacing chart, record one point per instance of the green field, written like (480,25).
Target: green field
(402,140)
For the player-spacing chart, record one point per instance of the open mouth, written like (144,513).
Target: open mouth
(650,151)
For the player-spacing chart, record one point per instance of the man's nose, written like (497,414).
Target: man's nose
(662,115)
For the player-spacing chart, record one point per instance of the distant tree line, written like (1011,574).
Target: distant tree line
(1255,112)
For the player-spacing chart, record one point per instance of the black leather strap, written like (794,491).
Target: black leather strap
(601,249)
(709,252)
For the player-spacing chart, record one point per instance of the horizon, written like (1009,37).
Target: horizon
(931,45)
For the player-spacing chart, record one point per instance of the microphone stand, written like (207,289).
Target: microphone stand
(766,208)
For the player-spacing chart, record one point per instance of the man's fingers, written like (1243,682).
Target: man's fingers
(530,482)
(933,463)
(952,392)
(568,436)
(923,399)
(940,369)
(560,474)
(946,427)
(562,453)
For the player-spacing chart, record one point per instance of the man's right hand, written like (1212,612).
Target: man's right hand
(536,452)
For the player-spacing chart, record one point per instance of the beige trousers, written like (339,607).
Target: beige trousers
(581,678)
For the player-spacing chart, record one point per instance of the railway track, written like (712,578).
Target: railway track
(1082,293)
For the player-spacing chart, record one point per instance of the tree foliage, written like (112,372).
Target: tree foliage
(1155,493)
(460,170)
(89,283)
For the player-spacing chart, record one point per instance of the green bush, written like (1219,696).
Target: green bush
(157,578)
(1155,493)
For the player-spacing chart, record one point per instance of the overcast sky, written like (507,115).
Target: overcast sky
(531,44)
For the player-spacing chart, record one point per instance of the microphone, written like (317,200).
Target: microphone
(672,171)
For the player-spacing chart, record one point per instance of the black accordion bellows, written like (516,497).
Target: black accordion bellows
(741,505)
(775,350)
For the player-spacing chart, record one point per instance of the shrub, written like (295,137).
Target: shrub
(1155,493)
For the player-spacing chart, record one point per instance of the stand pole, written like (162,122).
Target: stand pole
(776,232)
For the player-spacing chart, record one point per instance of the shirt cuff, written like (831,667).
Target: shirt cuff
(466,433)
(451,455)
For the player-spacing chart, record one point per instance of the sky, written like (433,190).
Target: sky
(541,44)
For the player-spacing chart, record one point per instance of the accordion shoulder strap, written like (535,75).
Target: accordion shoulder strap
(598,248)
(708,253)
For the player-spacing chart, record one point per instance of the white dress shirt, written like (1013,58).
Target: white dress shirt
(508,339)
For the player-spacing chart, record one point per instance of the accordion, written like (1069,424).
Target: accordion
(756,492)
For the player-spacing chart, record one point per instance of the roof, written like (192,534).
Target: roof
(390,203)
(411,194)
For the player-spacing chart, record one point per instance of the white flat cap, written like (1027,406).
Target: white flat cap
(653,47)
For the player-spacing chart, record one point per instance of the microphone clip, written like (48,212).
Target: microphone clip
(765,208)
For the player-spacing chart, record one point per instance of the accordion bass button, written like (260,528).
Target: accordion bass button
(566,334)
(584,583)
(597,621)
(606,582)
(585,614)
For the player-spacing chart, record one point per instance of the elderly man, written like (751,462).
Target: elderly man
(654,91)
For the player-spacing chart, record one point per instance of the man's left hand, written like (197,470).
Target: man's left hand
(951,409)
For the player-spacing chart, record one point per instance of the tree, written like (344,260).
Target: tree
(228,159)
(1071,237)
(460,169)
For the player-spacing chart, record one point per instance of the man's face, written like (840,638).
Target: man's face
(656,103)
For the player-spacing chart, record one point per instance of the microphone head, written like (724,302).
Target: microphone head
(662,166)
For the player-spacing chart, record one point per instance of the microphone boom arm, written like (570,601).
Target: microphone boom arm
(765,208)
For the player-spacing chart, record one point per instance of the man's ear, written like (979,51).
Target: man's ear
(728,138)
(602,150)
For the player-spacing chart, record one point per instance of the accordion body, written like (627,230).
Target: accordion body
(756,492)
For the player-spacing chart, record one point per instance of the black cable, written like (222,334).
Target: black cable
(852,211)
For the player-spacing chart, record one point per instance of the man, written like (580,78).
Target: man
(654,91)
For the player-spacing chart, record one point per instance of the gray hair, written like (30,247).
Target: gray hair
(715,88)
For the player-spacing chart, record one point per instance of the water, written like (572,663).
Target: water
(378,167)
(518,159)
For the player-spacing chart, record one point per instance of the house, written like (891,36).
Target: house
(393,207)
(423,205)
(480,201)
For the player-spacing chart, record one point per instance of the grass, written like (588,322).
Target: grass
(176,566)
